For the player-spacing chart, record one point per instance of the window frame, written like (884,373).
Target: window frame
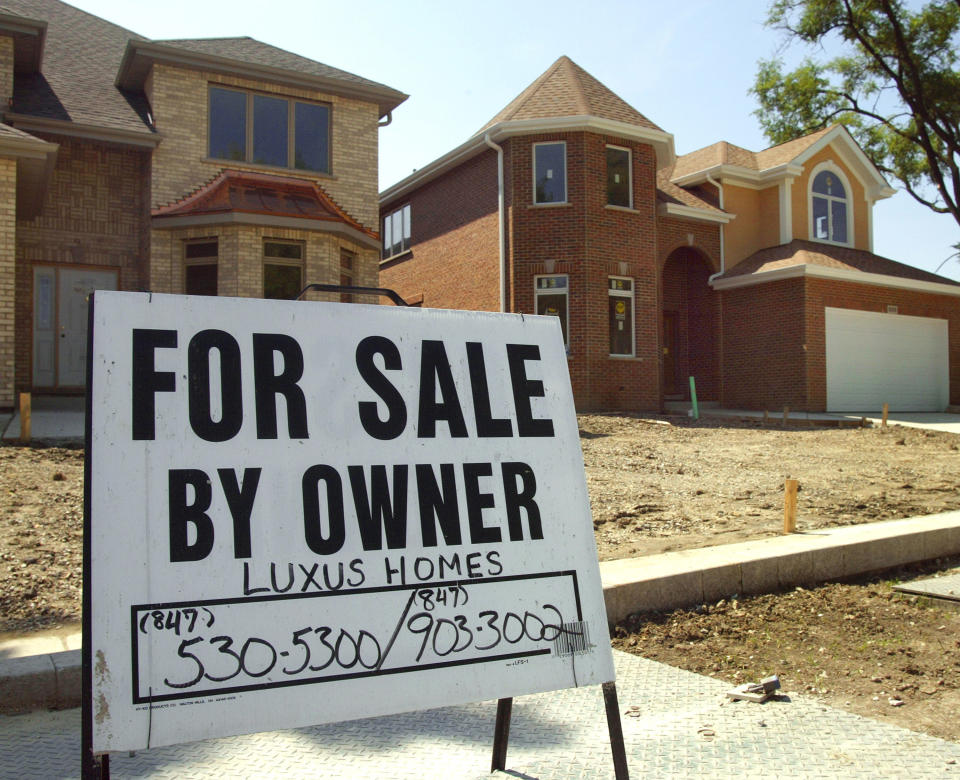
(533,168)
(249,129)
(631,294)
(281,261)
(629,203)
(829,166)
(348,272)
(207,260)
(406,226)
(537,293)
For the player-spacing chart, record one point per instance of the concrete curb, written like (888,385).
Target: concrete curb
(656,582)
(40,682)
(690,577)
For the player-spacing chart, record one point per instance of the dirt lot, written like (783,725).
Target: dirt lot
(655,485)
(856,646)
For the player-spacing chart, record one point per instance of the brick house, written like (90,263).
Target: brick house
(752,272)
(220,166)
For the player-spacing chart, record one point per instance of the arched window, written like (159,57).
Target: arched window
(829,208)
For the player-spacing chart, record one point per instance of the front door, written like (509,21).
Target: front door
(670,384)
(60,296)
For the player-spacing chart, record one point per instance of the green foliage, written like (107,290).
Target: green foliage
(895,86)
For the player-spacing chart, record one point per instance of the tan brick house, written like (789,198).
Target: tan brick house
(751,272)
(219,166)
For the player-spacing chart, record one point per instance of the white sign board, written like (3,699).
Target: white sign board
(310,512)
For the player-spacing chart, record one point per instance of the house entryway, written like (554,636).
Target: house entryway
(60,296)
(689,327)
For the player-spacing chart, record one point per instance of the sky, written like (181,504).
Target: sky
(687,66)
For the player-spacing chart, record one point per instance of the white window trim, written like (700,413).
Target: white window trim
(629,177)
(537,292)
(406,220)
(832,167)
(533,172)
(633,312)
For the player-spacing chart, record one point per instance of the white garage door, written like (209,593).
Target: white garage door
(874,358)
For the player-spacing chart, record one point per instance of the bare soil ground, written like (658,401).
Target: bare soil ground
(858,646)
(656,484)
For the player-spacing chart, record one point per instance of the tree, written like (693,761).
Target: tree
(895,86)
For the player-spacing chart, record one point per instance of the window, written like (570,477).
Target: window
(551,299)
(282,269)
(347,261)
(619,190)
(267,130)
(620,295)
(550,173)
(829,208)
(396,232)
(200,267)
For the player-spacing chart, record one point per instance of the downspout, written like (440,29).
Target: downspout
(723,262)
(500,218)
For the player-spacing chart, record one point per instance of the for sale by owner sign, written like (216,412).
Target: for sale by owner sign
(301,513)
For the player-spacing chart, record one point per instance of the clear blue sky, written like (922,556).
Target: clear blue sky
(687,66)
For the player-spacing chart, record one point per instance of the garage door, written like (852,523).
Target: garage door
(874,358)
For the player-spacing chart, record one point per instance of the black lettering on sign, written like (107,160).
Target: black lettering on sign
(487,424)
(146,381)
(434,371)
(231,400)
(182,514)
(268,385)
(376,511)
(396,419)
(477,502)
(438,505)
(521,498)
(312,522)
(524,389)
(240,500)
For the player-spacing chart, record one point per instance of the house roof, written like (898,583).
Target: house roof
(565,89)
(244,192)
(694,197)
(724,153)
(82,55)
(828,256)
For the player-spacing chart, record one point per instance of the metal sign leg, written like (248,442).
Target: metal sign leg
(616,731)
(501,735)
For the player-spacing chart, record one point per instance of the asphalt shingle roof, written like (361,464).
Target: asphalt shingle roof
(799,252)
(724,153)
(566,89)
(82,55)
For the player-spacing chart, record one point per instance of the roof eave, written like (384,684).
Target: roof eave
(737,173)
(835,274)
(140,138)
(139,56)
(691,212)
(659,139)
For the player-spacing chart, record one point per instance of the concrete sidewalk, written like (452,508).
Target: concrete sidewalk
(53,418)
(675,724)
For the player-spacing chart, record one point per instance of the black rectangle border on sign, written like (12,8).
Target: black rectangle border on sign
(150,698)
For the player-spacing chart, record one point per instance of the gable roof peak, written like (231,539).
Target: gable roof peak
(565,89)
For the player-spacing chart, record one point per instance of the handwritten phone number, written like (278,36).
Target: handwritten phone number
(315,649)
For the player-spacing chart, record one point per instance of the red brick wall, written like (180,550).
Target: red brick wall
(95,214)
(455,259)
(764,361)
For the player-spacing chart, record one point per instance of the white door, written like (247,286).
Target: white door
(60,302)
(875,358)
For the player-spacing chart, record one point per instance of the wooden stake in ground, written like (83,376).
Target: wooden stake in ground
(786,414)
(24,416)
(790,506)
(886,411)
